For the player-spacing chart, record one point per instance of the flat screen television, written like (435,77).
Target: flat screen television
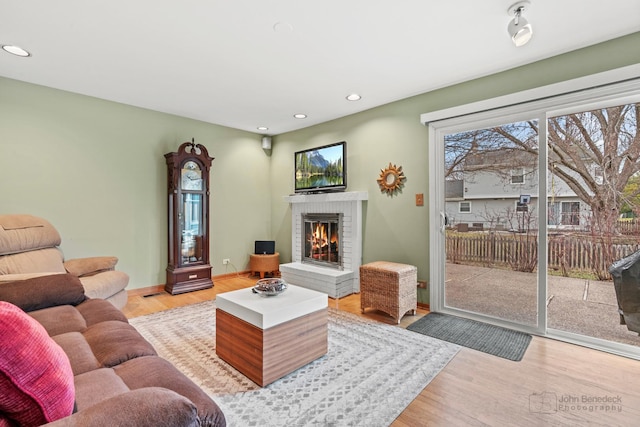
(321,169)
(265,247)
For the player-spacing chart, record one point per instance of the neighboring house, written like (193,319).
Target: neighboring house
(505,197)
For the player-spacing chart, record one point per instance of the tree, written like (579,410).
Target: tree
(631,197)
(596,153)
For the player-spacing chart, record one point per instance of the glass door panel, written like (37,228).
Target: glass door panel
(191,222)
(492,210)
(593,205)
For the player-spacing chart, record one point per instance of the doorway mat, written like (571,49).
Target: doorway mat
(491,339)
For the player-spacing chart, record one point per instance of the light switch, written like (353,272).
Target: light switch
(420,199)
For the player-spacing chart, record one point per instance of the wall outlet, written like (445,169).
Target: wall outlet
(226,261)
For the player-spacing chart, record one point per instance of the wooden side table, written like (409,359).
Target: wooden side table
(262,263)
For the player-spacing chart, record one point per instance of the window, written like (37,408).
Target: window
(570,213)
(564,213)
(517,176)
(464,207)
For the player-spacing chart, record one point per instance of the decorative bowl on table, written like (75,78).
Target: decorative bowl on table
(269,287)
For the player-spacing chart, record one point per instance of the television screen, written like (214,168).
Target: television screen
(321,169)
(266,247)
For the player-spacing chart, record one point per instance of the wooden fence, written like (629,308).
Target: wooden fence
(629,226)
(519,251)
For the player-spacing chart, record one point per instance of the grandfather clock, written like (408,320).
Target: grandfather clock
(188,185)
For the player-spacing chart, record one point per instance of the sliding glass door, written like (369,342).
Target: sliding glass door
(594,203)
(532,206)
(492,212)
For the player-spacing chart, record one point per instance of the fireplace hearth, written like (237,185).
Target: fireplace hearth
(326,242)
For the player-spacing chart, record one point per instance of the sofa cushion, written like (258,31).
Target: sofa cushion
(93,387)
(47,260)
(79,352)
(154,371)
(114,342)
(21,233)
(42,292)
(5,278)
(146,407)
(36,380)
(98,310)
(105,284)
(61,319)
(89,266)
(65,318)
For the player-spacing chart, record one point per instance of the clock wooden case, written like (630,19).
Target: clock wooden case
(188,190)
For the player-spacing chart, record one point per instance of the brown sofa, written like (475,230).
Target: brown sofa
(68,360)
(29,247)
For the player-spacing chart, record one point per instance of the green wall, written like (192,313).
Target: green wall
(96,168)
(395,228)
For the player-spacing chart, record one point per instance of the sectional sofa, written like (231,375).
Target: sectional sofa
(70,359)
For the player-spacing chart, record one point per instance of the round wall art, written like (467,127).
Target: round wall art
(391,179)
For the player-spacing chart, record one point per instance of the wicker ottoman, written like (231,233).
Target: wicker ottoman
(389,287)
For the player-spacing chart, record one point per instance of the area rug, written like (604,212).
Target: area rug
(371,372)
(490,339)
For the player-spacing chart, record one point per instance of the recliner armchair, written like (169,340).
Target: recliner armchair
(29,247)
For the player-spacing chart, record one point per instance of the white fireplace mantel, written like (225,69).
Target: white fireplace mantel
(336,283)
(349,196)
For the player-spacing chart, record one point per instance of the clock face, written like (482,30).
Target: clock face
(191,178)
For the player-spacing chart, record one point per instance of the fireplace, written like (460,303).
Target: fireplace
(327,261)
(321,240)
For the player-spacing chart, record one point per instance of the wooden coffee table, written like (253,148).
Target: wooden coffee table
(266,338)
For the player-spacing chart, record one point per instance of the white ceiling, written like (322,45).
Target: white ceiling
(250,63)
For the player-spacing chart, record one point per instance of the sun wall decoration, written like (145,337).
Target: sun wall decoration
(391,179)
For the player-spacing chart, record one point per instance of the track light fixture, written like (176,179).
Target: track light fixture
(519,28)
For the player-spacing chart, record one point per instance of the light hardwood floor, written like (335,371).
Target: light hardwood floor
(476,389)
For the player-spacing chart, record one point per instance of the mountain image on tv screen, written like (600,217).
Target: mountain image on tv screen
(318,168)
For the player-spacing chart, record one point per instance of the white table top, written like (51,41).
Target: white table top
(266,312)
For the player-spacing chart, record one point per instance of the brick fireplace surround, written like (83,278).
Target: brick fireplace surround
(334,282)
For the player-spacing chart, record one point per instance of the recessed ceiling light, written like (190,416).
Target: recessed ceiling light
(300,116)
(282,27)
(263,128)
(15,50)
(354,97)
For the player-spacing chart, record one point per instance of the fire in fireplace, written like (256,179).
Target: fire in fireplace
(321,240)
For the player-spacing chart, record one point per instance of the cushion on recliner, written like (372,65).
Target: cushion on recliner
(105,284)
(47,260)
(13,277)
(43,292)
(36,380)
(21,233)
(89,266)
